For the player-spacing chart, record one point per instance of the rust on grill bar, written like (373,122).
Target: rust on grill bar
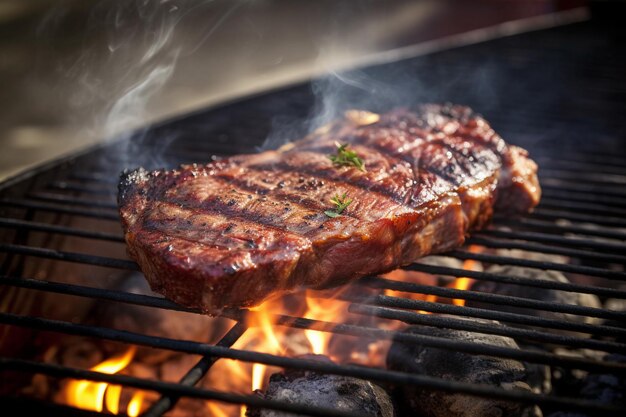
(546,290)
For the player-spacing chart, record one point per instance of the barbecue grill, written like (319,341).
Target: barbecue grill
(559,92)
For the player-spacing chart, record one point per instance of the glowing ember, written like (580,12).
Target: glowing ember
(94,396)
(463,283)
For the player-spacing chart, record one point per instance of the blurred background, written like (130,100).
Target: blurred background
(76,72)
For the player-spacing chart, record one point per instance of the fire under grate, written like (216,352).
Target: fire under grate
(558,92)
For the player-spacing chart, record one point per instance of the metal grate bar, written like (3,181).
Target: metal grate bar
(543,265)
(582,165)
(587,157)
(68,186)
(163,303)
(587,218)
(196,373)
(590,178)
(299,363)
(69,256)
(29,406)
(73,201)
(511,279)
(559,240)
(150,301)
(99,214)
(63,199)
(563,195)
(575,186)
(254,401)
(560,228)
(539,248)
(99,293)
(579,207)
(169,389)
(97,177)
(378,334)
(573,309)
(44,227)
(558,164)
(460,324)
(397,302)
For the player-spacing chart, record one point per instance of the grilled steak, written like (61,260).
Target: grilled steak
(233,232)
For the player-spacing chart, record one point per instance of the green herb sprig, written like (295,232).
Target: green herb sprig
(346,157)
(340,202)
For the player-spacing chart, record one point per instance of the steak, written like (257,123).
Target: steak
(235,231)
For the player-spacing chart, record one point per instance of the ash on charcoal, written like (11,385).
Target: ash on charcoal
(588,279)
(447,262)
(533,256)
(542,294)
(156,321)
(332,391)
(457,366)
(616,304)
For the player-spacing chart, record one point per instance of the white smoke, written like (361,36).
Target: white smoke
(114,85)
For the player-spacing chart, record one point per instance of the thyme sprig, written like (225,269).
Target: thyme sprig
(346,157)
(340,202)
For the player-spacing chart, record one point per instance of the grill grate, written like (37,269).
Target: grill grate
(559,92)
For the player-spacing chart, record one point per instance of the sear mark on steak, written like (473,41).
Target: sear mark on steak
(235,231)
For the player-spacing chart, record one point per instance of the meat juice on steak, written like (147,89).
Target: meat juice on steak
(235,231)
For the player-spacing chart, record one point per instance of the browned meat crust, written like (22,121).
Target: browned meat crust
(235,231)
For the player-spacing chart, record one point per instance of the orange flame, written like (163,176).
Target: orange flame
(463,283)
(264,335)
(90,395)
(323,309)
(134,406)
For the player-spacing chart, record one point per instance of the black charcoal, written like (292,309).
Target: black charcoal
(606,388)
(332,391)
(602,388)
(503,373)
